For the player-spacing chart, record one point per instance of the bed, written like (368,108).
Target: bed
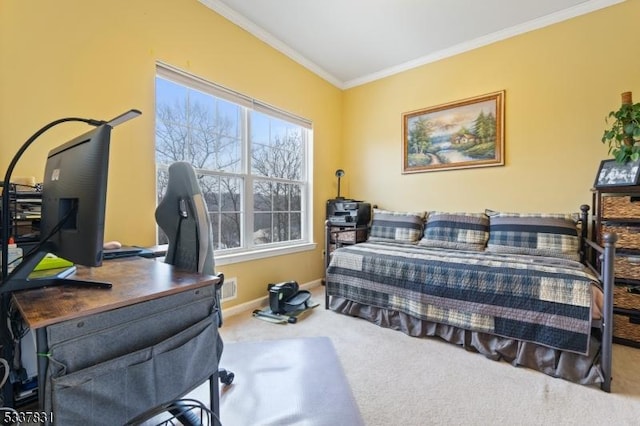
(544,312)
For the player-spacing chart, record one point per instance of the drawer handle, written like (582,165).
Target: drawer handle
(633,259)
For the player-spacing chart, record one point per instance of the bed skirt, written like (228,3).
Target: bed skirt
(582,369)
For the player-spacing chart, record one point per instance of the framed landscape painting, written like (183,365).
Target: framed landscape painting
(462,134)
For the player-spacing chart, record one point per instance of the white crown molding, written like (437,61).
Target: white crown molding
(583,8)
(244,23)
(544,21)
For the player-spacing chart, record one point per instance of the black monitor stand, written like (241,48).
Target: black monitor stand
(19,278)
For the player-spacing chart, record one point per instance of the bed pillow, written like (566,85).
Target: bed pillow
(541,234)
(404,227)
(462,231)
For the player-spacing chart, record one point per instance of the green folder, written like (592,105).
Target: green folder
(52,262)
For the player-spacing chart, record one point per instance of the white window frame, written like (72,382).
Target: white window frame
(248,251)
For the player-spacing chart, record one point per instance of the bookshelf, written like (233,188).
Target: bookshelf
(25,214)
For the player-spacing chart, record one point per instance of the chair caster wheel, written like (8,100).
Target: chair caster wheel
(292,320)
(226,377)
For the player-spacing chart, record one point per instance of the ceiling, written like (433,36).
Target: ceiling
(352,42)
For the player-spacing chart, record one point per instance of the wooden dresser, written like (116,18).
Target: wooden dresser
(617,210)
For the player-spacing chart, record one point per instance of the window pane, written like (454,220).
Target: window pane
(280,227)
(262,196)
(276,147)
(296,226)
(162,178)
(210,187)
(230,194)
(296,198)
(262,228)
(230,230)
(274,202)
(198,128)
(215,230)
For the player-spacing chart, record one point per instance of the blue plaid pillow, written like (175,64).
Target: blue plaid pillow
(461,231)
(540,234)
(405,227)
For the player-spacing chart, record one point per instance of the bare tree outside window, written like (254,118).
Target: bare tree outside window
(276,154)
(213,135)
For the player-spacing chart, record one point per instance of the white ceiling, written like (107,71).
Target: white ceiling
(352,42)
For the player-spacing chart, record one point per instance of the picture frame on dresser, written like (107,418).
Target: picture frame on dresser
(613,173)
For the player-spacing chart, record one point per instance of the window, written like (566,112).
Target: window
(252,161)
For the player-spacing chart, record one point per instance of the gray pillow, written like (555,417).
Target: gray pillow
(405,227)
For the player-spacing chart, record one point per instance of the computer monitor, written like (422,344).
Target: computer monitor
(74,194)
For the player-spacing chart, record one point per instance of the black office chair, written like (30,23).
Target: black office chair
(183,216)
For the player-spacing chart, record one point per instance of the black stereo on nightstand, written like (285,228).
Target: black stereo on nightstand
(345,212)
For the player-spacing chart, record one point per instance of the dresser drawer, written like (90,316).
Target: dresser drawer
(620,207)
(626,327)
(623,298)
(344,235)
(628,235)
(627,266)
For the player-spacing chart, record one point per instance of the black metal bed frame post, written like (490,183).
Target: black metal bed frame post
(593,254)
(327,258)
(608,257)
(584,231)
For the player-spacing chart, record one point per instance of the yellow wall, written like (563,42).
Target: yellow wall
(77,58)
(68,57)
(560,82)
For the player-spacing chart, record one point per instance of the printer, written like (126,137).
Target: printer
(350,213)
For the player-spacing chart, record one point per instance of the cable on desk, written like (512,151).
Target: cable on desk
(19,328)
(5,366)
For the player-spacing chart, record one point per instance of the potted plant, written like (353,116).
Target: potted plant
(623,136)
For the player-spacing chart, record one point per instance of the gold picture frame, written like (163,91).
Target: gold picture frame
(457,135)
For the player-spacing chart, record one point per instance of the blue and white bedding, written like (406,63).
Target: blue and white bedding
(544,300)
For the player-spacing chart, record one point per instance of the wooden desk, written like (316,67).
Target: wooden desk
(98,326)
(134,280)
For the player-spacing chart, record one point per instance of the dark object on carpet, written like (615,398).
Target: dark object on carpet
(287,297)
(287,382)
(291,317)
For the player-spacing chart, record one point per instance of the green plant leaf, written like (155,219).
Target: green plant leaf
(629,128)
(622,124)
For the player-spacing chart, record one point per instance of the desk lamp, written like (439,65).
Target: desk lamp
(339,174)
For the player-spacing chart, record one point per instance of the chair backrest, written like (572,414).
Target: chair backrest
(183,216)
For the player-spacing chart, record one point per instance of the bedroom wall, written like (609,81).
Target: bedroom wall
(74,58)
(560,83)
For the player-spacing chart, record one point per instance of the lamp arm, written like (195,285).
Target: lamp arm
(6,222)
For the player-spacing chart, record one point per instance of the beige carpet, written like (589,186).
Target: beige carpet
(401,380)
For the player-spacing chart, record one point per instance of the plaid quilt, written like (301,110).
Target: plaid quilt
(532,298)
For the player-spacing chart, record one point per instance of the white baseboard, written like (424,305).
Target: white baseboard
(263,301)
